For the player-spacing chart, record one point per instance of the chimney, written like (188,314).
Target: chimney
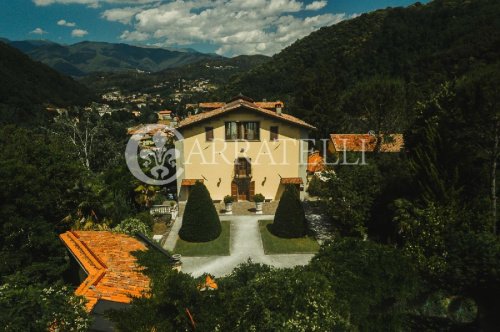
(278,109)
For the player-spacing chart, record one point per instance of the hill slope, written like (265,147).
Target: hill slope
(422,45)
(26,85)
(86,57)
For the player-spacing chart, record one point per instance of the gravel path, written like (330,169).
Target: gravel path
(245,244)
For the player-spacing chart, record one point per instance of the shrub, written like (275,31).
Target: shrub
(290,218)
(132,226)
(259,198)
(146,218)
(316,187)
(200,222)
(159,199)
(228,199)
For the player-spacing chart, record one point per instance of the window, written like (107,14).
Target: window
(209,134)
(242,168)
(274,133)
(242,130)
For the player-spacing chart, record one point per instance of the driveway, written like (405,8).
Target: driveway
(245,244)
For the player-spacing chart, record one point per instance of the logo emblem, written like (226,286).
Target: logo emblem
(151,154)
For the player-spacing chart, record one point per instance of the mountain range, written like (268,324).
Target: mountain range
(87,57)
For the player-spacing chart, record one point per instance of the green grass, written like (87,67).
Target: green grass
(217,247)
(277,245)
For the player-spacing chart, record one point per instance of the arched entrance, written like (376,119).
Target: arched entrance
(242,186)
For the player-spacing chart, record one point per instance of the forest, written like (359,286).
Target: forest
(416,244)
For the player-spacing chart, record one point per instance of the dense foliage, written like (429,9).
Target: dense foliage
(290,219)
(200,222)
(414,49)
(351,285)
(26,86)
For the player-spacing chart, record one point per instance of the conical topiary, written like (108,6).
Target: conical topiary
(290,218)
(200,222)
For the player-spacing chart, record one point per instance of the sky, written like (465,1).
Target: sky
(225,27)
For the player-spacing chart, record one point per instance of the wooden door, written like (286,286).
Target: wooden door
(243,190)
(251,190)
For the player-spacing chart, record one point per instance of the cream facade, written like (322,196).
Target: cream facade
(241,150)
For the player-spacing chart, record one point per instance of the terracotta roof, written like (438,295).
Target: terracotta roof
(112,272)
(190,182)
(165,112)
(269,104)
(237,104)
(315,163)
(358,142)
(211,105)
(291,181)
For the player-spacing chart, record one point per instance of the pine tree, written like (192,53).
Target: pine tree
(200,222)
(290,218)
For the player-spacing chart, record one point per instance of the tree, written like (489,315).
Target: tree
(290,219)
(375,283)
(28,307)
(377,104)
(349,197)
(200,222)
(37,174)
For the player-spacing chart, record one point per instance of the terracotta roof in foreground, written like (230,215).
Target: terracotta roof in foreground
(241,103)
(112,270)
(358,142)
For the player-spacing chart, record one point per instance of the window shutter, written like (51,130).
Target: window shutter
(209,134)
(252,190)
(274,133)
(234,190)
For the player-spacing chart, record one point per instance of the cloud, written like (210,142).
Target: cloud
(122,15)
(134,36)
(38,31)
(79,33)
(316,5)
(233,26)
(66,23)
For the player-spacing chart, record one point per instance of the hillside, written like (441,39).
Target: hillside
(26,85)
(217,71)
(87,57)
(421,46)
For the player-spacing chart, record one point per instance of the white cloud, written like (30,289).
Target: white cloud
(38,31)
(122,15)
(66,23)
(234,26)
(316,5)
(79,33)
(134,36)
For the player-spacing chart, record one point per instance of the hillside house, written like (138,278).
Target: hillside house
(241,148)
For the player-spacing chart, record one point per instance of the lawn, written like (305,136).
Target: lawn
(217,247)
(276,245)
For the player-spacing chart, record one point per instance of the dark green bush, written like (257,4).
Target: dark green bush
(200,222)
(290,218)
(316,187)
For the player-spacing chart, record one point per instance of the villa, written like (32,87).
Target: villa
(241,148)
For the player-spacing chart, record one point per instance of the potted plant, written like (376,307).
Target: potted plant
(258,199)
(228,200)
